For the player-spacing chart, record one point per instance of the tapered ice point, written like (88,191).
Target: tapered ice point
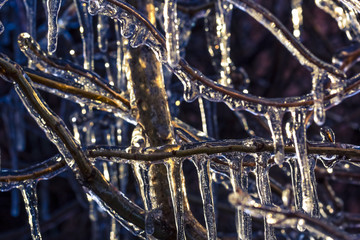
(53,8)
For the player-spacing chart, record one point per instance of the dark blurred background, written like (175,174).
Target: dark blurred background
(271,68)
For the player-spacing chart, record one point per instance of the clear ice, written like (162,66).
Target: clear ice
(264,190)
(171,32)
(308,198)
(239,180)
(28,192)
(202,164)
(53,8)
(175,178)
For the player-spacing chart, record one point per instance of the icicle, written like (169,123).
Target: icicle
(122,45)
(299,139)
(171,32)
(315,208)
(85,22)
(31,206)
(318,81)
(264,190)
(345,14)
(190,89)
(53,8)
(30,6)
(203,115)
(297,17)
(142,176)
(239,180)
(274,117)
(102,30)
(296,183)
(218,36)
(202,164)
(175,178)
(114,231)
(141,172)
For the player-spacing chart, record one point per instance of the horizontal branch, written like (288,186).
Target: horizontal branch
(209,148)
(305,100)
(33,47)
(158,155)
(43,170)
(286,218)
(46,81)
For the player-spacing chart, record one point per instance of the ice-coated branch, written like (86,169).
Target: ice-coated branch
(280,218)
(112,200)
(42,171)
(343,151)
(228,94)
(56,164)
(57,67)
(55,85)
(269,21)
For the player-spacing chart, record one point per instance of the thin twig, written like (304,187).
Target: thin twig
(90,176)
(282,216)
(77,70)
(285,102)
(157,155)
(43,80)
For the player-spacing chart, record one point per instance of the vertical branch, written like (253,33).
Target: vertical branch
(149,103)
(150,106)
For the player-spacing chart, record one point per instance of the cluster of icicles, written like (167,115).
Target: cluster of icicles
(218,24)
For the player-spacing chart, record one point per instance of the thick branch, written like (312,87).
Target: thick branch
(158,155)
(89,175)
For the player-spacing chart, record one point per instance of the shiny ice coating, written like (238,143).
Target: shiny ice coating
(202,164)
(171,32)
(176,181)
(239,180)
(274,117)
(28,192)
(264,190)
(302,166)
(307,197)
(85,22)
(217,29)
(53,8)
